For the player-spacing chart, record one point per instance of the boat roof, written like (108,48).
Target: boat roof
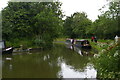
(81,40)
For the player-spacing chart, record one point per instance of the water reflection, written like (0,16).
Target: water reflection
(54,63)
(68,72)
(82,52)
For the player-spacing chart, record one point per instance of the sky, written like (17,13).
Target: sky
(90,7)
(3,3)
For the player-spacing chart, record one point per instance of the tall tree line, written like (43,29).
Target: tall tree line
(105,27)
(40,22)
(107,24)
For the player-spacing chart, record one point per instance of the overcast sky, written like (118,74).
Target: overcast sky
(91,7)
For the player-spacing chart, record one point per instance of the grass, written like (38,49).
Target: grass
(95,45)
(60,39)
(105,41)
(24,42)
(102,44)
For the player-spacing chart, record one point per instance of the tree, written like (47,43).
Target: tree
(41,21)
(77,25)
(80,24)
(107,24)
(68,30)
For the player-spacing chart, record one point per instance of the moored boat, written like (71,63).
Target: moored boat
(82,44)
(79,43)
(5,50)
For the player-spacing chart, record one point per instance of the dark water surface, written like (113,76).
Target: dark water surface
(58,62)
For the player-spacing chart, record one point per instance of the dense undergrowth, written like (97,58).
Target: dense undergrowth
(28,43)
(107,63)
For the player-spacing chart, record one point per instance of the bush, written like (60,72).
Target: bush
(108,65)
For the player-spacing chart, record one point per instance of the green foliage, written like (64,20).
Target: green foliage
(106,26)
(107,64)
(77,25)
(16,43)
(80,24)
(68,27)
(39,22)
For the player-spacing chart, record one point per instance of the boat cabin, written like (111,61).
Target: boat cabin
(82,43)
(2,44)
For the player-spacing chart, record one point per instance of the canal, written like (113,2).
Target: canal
(61,61)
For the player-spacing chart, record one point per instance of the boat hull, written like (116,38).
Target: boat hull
(85,47)
(7,51)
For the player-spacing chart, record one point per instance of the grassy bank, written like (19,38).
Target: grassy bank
(100,45)
(60,39)
(25,43)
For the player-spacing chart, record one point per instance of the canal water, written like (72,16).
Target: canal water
(61,61)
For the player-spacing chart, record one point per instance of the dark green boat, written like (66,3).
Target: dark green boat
(83,44)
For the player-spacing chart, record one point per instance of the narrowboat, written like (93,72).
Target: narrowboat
(5,50)
(82,44)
